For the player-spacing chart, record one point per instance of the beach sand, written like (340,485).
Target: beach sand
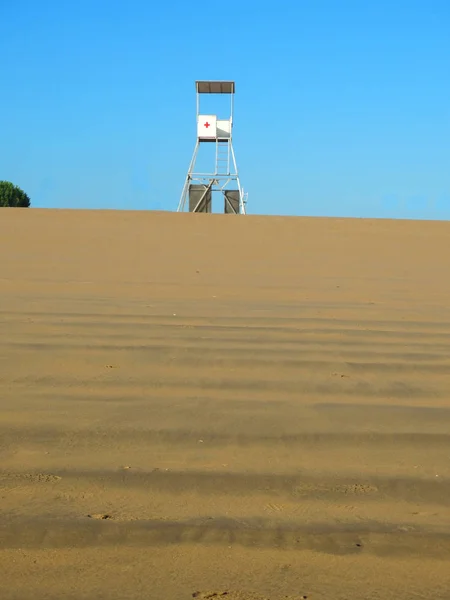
(203,405)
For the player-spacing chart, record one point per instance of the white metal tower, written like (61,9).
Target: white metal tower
(223,176)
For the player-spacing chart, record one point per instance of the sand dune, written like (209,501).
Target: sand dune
(206,406)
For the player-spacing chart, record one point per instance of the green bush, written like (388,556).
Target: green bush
(11,195)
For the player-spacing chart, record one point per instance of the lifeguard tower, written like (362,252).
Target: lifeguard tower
(223,175)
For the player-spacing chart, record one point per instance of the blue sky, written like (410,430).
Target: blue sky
(342,106)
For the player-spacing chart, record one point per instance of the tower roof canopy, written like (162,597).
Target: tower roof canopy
(215,87)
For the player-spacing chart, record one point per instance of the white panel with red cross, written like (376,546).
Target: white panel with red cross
(207,127)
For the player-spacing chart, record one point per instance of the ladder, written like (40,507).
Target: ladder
(222,157)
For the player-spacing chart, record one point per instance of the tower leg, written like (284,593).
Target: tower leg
(242,209)
(182,201)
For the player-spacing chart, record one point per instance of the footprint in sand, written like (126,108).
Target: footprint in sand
(356,488)
(235,595)
(100,516)
(32,477)
(227,595)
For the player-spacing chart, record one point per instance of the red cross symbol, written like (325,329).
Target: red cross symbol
(207,125)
